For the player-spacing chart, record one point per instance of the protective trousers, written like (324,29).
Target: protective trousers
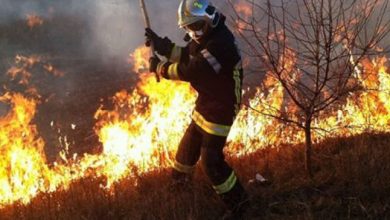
(195,144)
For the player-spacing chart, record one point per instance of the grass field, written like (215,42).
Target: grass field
(351,181)
(351,175)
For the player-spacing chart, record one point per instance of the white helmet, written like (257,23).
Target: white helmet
(191,11)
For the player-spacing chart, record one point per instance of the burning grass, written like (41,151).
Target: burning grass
(351,181)
(139,135)
(128,178)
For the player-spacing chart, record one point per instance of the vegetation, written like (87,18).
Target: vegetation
(314,49)
(350,175)
(350,181)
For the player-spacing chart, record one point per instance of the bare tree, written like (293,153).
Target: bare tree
(313,49)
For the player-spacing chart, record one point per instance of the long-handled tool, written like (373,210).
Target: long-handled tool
(147,25)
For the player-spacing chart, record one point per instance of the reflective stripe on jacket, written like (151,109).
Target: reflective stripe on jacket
(213,67)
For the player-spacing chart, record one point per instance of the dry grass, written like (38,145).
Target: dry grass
(351,181)
(352,175)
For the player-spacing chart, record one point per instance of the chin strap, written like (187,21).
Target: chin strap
(187,38)
(216,19)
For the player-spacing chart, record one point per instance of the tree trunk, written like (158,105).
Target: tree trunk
(308,150)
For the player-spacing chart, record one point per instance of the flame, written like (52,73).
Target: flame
(140,59)
(244,10)
(369,110)
(34,20)
(24,171)
(22,72)
(146,126)
(22,163)
(142,131)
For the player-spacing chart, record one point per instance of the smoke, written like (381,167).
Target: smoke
(113,28)
(3,109)
(119,24)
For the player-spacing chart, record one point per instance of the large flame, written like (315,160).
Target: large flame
(22,165)
(146,126)
(23,169)
(141,133)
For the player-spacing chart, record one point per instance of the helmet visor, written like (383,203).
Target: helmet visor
(196,26)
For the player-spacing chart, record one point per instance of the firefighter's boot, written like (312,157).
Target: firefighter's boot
(180,181)
(236,202)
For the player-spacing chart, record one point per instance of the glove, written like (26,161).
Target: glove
(159,67)
(163,46)
(153,64)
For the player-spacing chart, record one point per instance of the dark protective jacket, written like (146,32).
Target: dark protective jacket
(213,68)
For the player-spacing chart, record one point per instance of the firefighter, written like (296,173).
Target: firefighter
(211,63)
